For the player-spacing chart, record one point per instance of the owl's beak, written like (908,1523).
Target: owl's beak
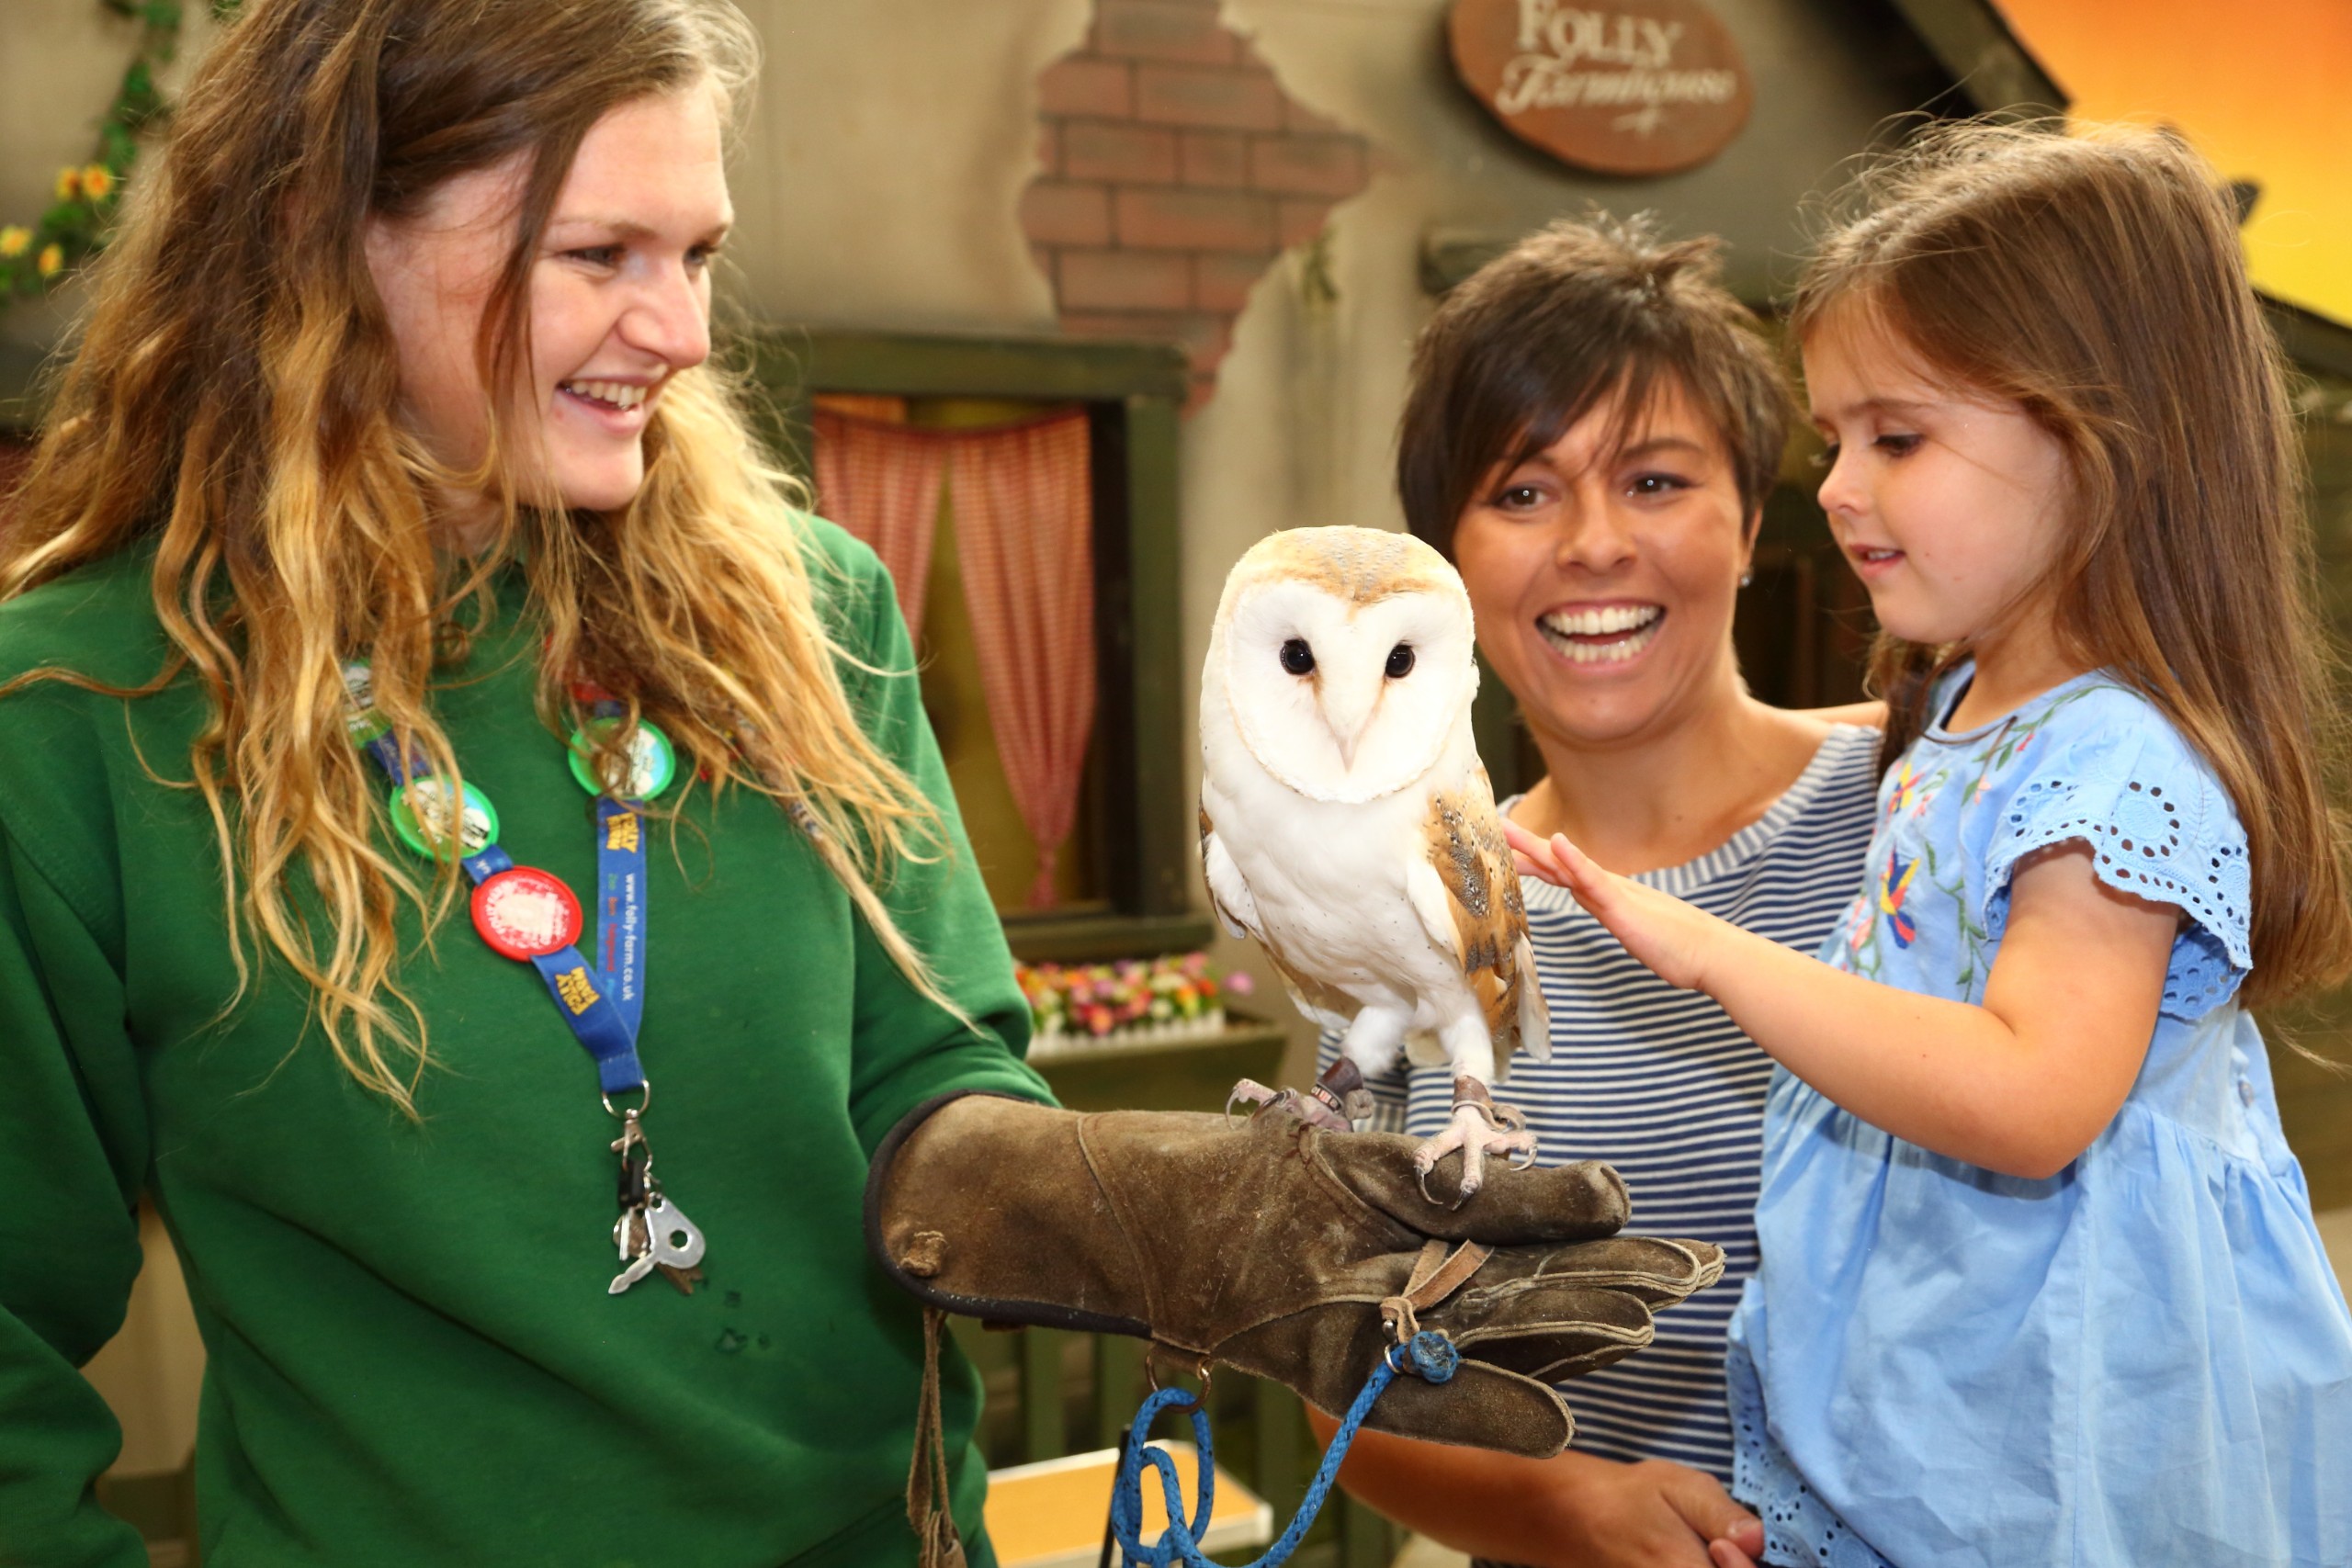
(1347,713)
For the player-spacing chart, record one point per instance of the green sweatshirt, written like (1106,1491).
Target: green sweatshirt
(413,1356)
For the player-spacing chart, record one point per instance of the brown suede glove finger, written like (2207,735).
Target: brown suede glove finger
(1558,1203)
(1654,1270)
(1270,1247)
(1552,1332)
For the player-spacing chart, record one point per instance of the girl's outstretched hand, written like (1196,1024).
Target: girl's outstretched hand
(1660,930)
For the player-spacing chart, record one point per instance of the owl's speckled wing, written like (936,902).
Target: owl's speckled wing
(1480,916)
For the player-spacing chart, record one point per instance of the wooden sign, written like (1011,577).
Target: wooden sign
(1622,87)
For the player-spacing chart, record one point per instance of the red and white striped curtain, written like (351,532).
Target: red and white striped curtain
(881,483)
(1024,538)
(1024,500)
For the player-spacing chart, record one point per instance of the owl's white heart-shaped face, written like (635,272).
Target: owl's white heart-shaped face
(1346,698)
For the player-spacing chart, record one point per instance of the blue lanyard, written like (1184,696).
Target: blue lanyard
(526,913)
(602,1004)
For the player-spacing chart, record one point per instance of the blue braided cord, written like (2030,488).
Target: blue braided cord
(1429,1354)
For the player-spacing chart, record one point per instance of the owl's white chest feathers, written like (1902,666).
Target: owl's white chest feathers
(1328,878)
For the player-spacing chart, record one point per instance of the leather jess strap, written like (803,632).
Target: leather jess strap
(1437,1274)
(938,1545)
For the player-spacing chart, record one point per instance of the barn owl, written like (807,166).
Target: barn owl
(1347,825)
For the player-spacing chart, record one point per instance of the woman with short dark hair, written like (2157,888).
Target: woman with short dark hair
(1592,427)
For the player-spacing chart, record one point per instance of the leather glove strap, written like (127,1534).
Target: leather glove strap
(927,1494)
(1437,1274)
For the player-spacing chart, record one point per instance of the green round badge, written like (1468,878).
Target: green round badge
(421,817)
(652,761)
(364,722)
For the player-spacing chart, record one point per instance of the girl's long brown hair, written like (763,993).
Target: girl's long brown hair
(232,407)
(2096,279)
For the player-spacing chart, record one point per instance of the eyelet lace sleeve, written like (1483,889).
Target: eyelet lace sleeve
(2159,825)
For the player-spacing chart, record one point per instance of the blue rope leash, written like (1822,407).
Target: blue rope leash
(1428,1354)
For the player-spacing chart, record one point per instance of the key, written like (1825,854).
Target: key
(676,1245)
(684,1278)
(636,1249)
(675,1242)
(673,1238)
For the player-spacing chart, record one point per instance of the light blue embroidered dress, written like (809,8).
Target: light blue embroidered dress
(2142,1360)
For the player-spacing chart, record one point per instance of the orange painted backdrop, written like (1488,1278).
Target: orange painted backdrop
(2264,87)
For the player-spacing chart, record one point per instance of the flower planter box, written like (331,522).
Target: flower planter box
(1168,1072)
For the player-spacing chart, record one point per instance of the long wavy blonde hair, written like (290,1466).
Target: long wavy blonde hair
(232,403)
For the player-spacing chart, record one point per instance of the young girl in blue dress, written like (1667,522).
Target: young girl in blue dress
(2040,1280)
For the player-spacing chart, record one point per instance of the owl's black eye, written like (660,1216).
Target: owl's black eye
(1400,662)
(1297,658)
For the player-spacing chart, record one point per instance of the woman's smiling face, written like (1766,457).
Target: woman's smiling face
(619,303)
(1603,571)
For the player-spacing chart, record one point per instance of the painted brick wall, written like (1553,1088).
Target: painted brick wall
(1174,171)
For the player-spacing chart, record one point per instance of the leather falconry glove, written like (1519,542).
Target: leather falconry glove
(1273,1248)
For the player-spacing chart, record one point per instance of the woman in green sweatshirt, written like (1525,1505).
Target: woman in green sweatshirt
(390,475)
(384,1161)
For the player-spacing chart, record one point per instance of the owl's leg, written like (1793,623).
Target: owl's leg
(1339,1098)
(1478,1127)
(1329,1105)
(1374,1038)
(1321,1109)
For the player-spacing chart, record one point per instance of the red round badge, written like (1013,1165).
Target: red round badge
(523,912)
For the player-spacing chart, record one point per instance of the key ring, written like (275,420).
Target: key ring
(646,1089)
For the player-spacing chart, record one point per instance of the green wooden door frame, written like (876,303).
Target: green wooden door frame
(1133,393)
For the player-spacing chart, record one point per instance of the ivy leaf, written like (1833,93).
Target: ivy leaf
(78,228)
(138,102)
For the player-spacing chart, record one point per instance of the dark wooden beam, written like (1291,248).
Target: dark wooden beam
(943,366)
(2313,341)
(1994,71)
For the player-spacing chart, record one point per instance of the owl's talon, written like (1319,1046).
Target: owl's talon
(1422,1179)
(1251,1092)
(1289,1102)
(1478,1128)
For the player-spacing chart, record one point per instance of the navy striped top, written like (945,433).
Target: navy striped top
(1663,1086)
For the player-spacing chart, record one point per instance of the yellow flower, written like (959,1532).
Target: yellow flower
(97,182)
(69,183)
(52,258)
(13,240)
